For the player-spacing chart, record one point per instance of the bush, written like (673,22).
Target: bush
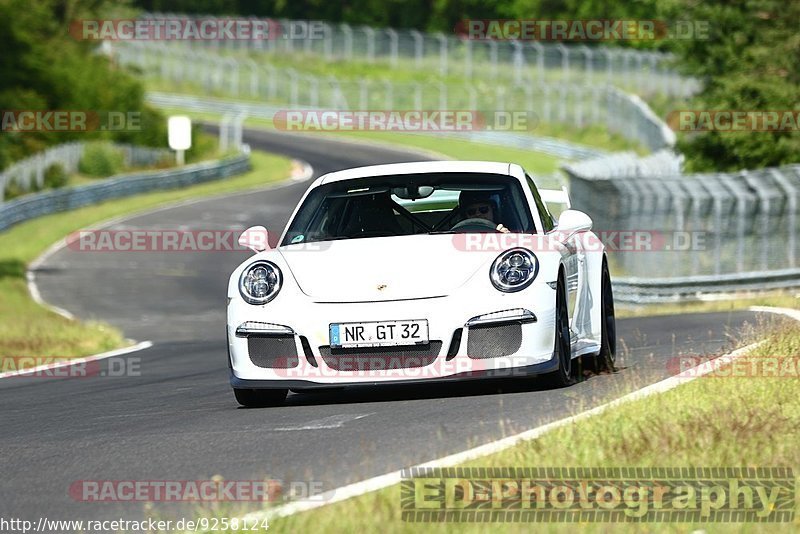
(13,190)
(55,176)
(100,160)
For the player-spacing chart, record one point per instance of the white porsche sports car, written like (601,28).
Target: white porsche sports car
(414,272)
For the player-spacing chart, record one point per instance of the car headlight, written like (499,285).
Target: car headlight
(514,270)
(260,282)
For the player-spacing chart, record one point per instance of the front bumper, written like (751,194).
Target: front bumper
(515,372)
(300,356)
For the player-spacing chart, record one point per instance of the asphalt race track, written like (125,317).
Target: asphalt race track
(178,419)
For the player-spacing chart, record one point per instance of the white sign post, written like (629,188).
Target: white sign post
(179,133)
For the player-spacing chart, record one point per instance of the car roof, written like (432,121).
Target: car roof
(423,167)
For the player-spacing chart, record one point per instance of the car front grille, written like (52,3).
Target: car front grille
(273,352)
(380,358)
(493,341)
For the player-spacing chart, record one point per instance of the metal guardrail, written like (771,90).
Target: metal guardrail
(737,231)
(28,174)
(69,198)
(644,291)
(621,165)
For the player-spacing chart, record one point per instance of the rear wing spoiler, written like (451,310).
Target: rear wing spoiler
(556,196)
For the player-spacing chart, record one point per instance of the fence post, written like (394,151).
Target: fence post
(388,94)
(392,46)
(539,60)
(468,59)
(589,65)
(791,195)
(518,61)
(442,53)
(363,97)
(327,44)
(493,57)
(237,129)
(224,125)
(292,87)
(418,44)
(253,76)
(473,97)
(272,82)
(370,35)
(314,91)
(338,100)
(348,41)
(564,58)
(234,68)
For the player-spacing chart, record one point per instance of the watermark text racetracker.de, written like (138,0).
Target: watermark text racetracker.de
(150,524)
(583,494)
(227,240)
(410,120)
(173,240)
(611,240)
(212,490)
(66,120)
(598,30)
(734,120)
(195,29)
(743,367)
(58,367)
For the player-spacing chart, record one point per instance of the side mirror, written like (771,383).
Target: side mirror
(254,238)
(570,222)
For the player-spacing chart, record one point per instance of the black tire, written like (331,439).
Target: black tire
(561,377)
(606,358)
(260,398)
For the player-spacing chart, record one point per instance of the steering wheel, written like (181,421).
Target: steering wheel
(475,224)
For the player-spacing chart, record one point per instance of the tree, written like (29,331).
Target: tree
(42,67)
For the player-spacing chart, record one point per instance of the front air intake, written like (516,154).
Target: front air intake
(493,341)
(273,352)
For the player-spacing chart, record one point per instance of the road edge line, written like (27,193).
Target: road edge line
(86,359)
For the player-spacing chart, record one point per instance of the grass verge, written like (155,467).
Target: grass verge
(30,330)
(776,299)
(593,135)
(535,162)
(736,421)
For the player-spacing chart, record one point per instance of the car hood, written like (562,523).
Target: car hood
(383,268)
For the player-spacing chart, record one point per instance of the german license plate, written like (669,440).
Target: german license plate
(379,333)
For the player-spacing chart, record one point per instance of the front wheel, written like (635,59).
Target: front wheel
(260,398)
(563,375)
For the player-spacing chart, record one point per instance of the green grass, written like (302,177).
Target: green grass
(591,135)
(534,162)
(407,75)
(740,422)
(27,329)
(777,299)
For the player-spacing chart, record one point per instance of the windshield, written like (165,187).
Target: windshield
(411,204)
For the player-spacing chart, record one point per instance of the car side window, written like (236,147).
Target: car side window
(547,219)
